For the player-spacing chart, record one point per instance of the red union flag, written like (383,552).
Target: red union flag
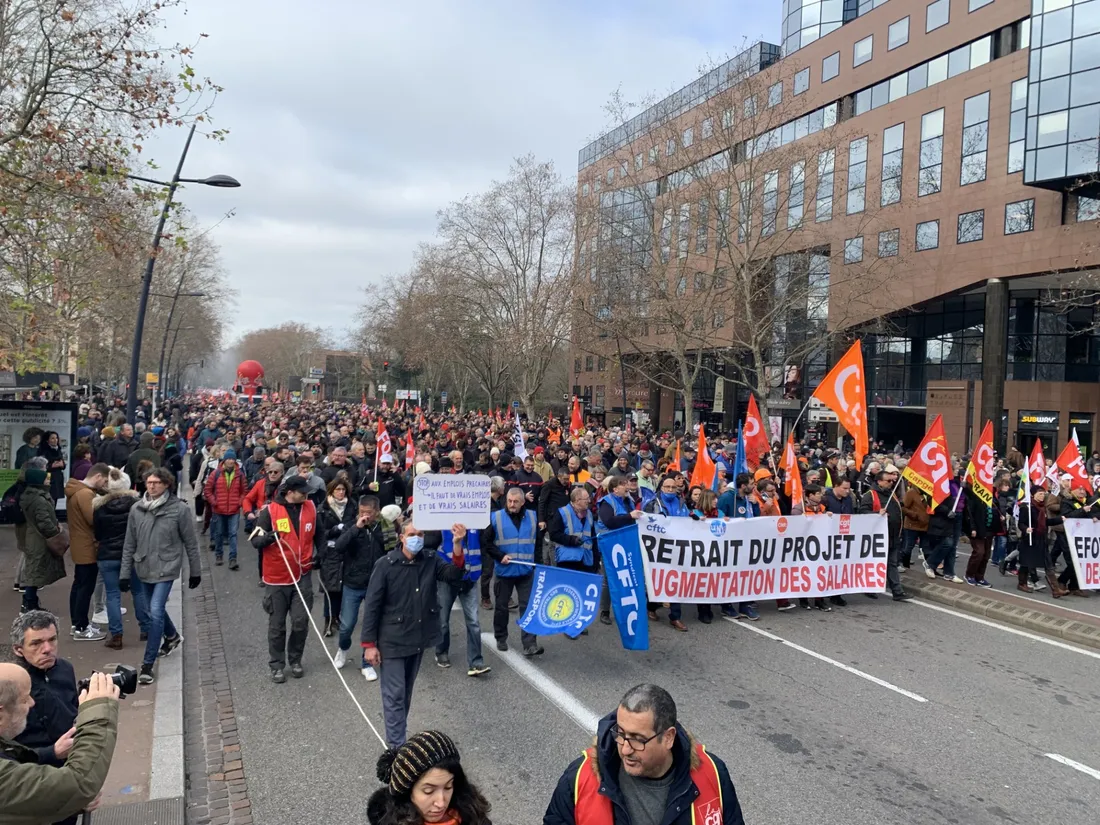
(382,438)
(1037,465)
(980,469)
(756,440)
(930,468)
(844,391)
(792,486)
(1070,462)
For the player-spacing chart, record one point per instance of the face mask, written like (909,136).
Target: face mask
(414,544)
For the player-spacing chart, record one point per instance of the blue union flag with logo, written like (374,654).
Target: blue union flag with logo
(562,601)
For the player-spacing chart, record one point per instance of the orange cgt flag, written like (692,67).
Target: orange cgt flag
(576,422)
(705,468)
(756,438)
(980,469)
(930,468)
(792,486)
(844,391)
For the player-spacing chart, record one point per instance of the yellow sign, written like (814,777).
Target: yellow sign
(283,525)
(152,378)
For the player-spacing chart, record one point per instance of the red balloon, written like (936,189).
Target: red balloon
(250,372)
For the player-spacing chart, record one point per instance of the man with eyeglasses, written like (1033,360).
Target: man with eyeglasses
(645,769)
(261,495)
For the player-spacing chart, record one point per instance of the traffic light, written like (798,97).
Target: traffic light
(385,366)
(313,389)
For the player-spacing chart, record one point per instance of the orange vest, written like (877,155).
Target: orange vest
(554,436)
(298,547)
(590,808)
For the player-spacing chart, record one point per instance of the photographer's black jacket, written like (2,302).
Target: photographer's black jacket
(54,711)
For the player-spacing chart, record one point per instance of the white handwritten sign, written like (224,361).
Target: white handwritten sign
(441,501)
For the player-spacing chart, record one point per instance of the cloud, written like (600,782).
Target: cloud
(352,124)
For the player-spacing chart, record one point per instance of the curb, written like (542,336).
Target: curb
(1002,610)
(166,776)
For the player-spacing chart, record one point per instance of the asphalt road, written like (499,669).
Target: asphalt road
(879,712)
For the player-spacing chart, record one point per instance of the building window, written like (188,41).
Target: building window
(975,138)
(639,162)
(888,243)
(1019,217)
(611,175)
(1017,123)
(775,94)
(770,203)
(598,184)
(727,118)
(801,81)
(971,227)
(683,229)
(749,107)
(797,195)
(688,137)
(1088,209)
(585,190)
(824,206)
(861,51)
(898,34)
(652,154)
(892,154)
(928,235)
(702,225)
(744,211)
(930,179)
(722,218)
(857,175)
(681,286)
(576,365)
(601,364)
(719,319)
(666,235)
(937,14)
(853,250)
(622,170)
(700,283)
(708,128)
(670,147)
(974,5)
(830,66)
(589,363)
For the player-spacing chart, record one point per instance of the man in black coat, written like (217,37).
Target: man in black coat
(359,549)
(552,497)
(401,618)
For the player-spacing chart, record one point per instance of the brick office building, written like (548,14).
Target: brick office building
(963,147)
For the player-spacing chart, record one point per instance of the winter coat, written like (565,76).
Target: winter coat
(941,522)
(401,612)
(54,711)
(681,794)
(157,539)
(40,567)
(1033,548)
(893,509)
(329,473)
(113,452)
(44,793)
(111,515)
(223,493)
(553,496)
(330,527)
(391,487)
(259,496)
(143,453)
(840,506)
(78,506)
(56,474)
(358,550)
(915,508)
(977,518)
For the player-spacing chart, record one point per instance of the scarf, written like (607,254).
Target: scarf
(153,503)
(338,507)
(452,817)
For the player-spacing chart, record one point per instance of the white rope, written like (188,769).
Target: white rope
(321,637)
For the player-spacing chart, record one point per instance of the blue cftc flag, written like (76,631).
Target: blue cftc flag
(622,560)
(562,601)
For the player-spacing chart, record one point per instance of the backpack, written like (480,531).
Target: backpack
(10,511)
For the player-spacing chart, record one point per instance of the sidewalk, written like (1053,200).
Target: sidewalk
(146,780)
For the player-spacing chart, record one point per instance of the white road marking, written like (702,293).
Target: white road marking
(1034,637)
(566,702)
(916,697)
(1077,766)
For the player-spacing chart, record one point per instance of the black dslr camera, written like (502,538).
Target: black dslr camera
(124,677)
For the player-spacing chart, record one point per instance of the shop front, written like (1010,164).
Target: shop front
(1041,425)
(1082,424)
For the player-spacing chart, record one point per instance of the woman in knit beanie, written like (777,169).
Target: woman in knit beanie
(425,783)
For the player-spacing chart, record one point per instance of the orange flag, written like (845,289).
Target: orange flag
(980,469)
(930,468)
(1037,467)
(576,422)
(1070,462)
(844,391)
(792,486)
(705,468)
(410,448)
(675,463)
(756,439)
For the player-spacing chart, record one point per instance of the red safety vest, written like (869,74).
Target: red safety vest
(298,546)
(591,808)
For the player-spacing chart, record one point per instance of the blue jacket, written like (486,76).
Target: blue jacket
(737,506)
(572,538)
(681,794)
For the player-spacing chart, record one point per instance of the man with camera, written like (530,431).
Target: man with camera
(34,794)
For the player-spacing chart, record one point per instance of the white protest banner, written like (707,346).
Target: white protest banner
(517,441)
(1084,545)
(441,501)
(716,561)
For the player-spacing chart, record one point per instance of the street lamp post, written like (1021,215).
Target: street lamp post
(223,181)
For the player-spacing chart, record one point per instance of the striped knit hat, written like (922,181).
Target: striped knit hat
(401,767)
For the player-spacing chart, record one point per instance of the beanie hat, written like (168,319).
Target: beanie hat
(423,467)
(34,475)
(400,768)
(229,455)
(108,432)
(391,512)
(117,480)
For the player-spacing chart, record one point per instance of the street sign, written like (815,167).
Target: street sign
(382,388)
(443,397)
(515,405)
(316,372)
(152,378)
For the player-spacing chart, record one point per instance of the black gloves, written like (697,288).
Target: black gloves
(193,582)
(576,541)
(124,585)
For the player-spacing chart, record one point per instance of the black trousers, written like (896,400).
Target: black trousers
(502,592)
(281,601)
(80,595)
(487,565)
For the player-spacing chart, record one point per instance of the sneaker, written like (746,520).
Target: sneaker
(729,612)
(839,601)
(605,618)
(1038,586)
(902,568)
(146,676)
(478,670)
(198,519)
(1002,567)
(785,607)
(824,607)
(340,659)
(443,660)
(973,582)
(89,634)
(902,597)
(953,579)
(533,650)
(928,571)
(169,645)
(277,675)
(233,565)
(369,673)
(502,644)
(984,583)
(513,605)
(748,612)
(100,617)
(217,561)
(296,670)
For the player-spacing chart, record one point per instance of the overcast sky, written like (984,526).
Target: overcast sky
(352,123)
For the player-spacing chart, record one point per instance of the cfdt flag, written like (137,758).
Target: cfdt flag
(756,439)
(980,469)
(930,468)
(562,601)
(622,558)
(844,391)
